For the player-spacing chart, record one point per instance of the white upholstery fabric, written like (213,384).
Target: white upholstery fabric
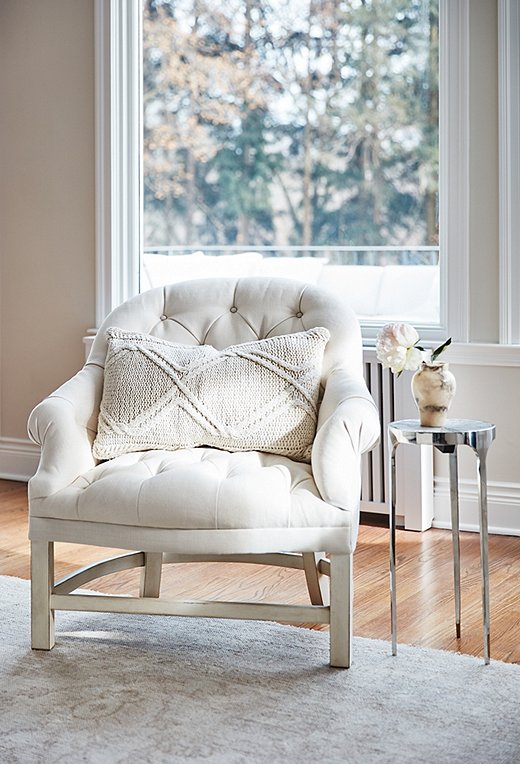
(346,429)
(200,313)
(202,499)
(260,395)
(195,488)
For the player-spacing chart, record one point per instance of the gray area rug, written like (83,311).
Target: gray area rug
(152,689)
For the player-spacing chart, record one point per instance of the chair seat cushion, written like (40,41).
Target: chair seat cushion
(196,489)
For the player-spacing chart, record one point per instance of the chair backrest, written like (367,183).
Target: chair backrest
(228,311)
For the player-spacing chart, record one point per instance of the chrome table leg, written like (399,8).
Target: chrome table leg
(455,537)
(484,558)
(393,599)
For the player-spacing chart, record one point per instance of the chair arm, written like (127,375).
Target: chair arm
(64,425)
(348,425)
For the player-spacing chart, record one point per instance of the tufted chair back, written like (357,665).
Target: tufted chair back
(228,311)
(218,312)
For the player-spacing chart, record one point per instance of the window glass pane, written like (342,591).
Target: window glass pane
(295,137)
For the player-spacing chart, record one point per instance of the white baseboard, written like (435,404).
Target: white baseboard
(503,506)
(18,459)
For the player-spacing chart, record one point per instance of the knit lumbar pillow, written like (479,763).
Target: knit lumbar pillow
(258,396)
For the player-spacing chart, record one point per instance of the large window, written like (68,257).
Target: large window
(327,141)
(295,137)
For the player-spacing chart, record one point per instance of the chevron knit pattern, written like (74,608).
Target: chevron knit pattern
(257,396)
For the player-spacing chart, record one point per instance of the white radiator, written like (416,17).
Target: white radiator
(414,479)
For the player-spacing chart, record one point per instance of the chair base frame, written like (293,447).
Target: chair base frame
(336,610)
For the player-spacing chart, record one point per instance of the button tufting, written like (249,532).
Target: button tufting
(233,309)
(299,314)
(164,318)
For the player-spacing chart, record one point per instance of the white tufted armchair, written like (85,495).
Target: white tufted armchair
(254,507)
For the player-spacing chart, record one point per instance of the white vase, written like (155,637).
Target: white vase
(433,388)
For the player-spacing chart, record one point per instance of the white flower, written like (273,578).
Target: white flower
(397,334)
(395,348)
(414,358)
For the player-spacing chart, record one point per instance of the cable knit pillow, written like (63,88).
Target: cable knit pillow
(258,396)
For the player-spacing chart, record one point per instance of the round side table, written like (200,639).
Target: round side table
(455,432)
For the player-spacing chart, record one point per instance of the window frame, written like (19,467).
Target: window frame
(119,204)
(118,132)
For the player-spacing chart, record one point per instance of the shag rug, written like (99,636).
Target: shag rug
(163,689)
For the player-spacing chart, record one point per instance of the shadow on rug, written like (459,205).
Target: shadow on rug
(162,689)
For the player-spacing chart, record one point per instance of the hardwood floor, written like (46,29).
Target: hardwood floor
(425,609)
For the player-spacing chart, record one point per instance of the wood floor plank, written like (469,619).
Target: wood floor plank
(425,609)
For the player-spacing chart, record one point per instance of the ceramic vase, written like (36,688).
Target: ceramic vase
(433,388)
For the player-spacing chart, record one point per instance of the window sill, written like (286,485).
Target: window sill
(473,354)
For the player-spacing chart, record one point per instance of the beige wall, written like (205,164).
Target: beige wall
(488,393)
(47,214)
(46,198)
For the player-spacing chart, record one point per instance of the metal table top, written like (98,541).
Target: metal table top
(454,432)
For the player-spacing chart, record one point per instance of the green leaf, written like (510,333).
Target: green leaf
(436,353)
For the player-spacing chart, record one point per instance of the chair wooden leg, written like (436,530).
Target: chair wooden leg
(317,584)
(42,580)
(151,575)
(341,590)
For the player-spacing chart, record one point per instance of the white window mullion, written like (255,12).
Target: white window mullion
(509,168)
(103,163)
(118,153)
